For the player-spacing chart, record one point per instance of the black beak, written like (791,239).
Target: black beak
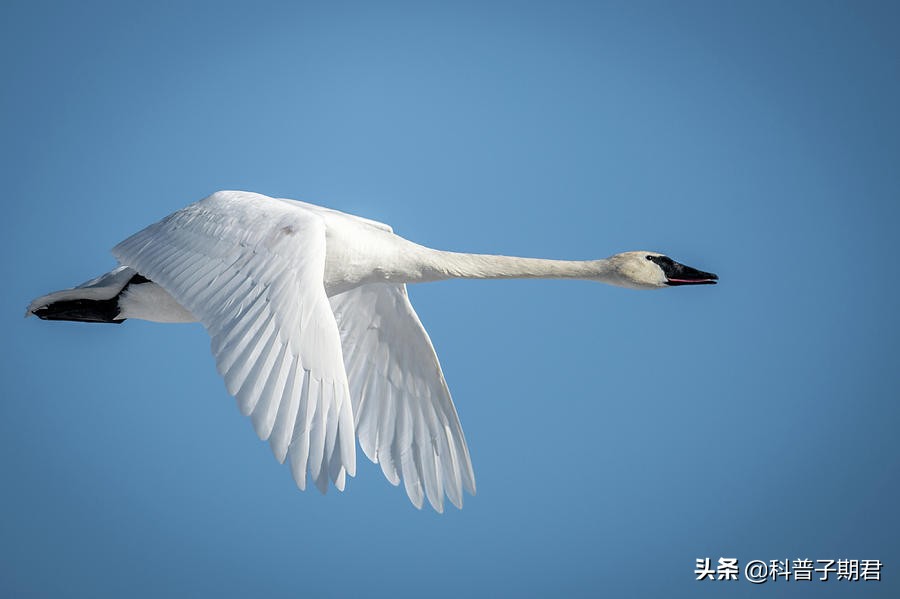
(679,274)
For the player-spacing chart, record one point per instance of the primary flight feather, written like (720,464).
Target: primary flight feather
(313,331)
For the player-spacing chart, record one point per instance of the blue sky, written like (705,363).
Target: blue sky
(617,436)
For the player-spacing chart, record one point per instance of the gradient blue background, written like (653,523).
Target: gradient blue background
(616,435)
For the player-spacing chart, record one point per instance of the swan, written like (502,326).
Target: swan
(313,332)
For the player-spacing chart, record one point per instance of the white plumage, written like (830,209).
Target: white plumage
(313,331)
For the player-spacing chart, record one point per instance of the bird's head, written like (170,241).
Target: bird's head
(652,270)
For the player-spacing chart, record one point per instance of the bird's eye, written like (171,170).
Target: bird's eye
(649,257)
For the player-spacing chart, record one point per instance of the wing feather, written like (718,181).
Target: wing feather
(286,418)
(269,367)
(405,418)
(299,451)
(251,269)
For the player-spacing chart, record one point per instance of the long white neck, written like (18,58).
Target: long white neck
(436,265)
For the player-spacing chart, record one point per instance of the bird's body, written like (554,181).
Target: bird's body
(313,331)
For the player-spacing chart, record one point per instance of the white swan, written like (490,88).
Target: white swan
(312,329)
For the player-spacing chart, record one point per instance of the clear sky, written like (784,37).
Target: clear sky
(616,435)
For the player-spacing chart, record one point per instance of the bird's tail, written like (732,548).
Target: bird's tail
(96,300)
(82,310)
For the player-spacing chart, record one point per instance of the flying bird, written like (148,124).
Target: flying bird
(313,331)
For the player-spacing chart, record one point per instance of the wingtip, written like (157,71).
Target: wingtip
(341,480)
(322,484)
(469,483)
(348,459)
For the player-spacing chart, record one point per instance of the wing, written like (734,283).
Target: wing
(405,418)
(250,268)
